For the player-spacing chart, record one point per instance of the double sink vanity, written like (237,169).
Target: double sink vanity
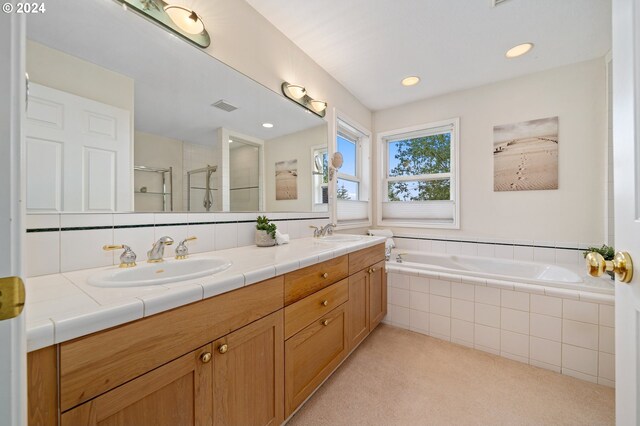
(268,327)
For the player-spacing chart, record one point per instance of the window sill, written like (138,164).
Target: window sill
(425,224)
(353,225)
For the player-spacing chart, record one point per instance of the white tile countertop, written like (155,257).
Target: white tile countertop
(64,306)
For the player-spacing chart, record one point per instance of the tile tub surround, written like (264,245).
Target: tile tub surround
(63,306)
(567,331)
(68,242)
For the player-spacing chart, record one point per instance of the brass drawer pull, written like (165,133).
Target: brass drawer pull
(325,322)
(205,357)
(325,275)
(325,303)
(373,270)
(223,349)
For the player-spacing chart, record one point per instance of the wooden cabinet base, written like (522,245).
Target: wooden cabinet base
(312,354)
(249,374)
(178,393)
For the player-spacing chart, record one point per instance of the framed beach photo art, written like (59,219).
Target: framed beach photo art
(287,180)
(525,155)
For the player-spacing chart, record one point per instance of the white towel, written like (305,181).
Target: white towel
(381,233)
(389,243)
(281,238)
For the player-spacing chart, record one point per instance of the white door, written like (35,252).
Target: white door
(12,103)
(78,154)
(626,159)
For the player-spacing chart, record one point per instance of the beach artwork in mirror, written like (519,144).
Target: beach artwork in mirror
(127,117)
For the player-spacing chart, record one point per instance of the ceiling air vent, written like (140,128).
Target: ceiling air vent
(225,106)
(495,3)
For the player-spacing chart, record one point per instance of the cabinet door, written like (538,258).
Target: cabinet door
(249,374)
(377,294)
(312,354)
(177,393)
(358,326)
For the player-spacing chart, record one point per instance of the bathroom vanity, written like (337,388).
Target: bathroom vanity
(250,356)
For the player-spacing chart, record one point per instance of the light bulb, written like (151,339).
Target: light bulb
(186,19)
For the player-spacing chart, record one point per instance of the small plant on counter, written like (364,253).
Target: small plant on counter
(605,251)
(265,225)
(265,232)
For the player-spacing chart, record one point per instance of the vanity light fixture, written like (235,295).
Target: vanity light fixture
(186,19)
(412,80)
(267,125)
(299,95)
(178,19)
(519,50)
(318,106)
(296,91)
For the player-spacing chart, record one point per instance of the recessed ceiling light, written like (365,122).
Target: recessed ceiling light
(411,80)
(230,141)
(267,125)
(518,50)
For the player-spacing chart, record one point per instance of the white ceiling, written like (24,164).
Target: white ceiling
(370,45)
(174,82)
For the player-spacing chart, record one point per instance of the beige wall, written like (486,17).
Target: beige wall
(295,146)
(246,41)
(574,212)
(58,70)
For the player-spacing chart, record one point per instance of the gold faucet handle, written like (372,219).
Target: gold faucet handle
(182,252)
(127,258)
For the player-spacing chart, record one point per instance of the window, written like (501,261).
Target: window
(419,169)
(320,177)
(348,184)
(353,178)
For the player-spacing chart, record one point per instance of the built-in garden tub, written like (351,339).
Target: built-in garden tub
(546,315)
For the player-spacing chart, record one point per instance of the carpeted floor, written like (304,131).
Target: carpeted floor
(397,377)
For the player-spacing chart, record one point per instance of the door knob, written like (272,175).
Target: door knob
(205,357)
(621,265)
(223,349)
(12,297)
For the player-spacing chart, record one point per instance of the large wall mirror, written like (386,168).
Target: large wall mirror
(124,116)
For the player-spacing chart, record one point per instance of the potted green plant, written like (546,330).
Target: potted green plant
(605,251)
(265,232)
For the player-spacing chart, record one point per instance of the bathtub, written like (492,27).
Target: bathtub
(545,315)
(500,269)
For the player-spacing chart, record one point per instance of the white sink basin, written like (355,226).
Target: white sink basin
(339,238)
(146,274)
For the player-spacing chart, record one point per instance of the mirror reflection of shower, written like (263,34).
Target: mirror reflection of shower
(244,175)
(200,180)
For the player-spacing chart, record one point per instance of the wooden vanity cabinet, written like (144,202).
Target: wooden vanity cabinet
(367,296)
(177,393)
(377,294)
(248,374)
(262,351)
(312,354)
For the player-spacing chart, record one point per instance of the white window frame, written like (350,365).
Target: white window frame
(358,147)
(383,139)
(316,181)
(363,170)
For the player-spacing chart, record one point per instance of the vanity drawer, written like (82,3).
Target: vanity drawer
(94,364)
(302,313)
(312,354)
(364,258)
(303,282)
